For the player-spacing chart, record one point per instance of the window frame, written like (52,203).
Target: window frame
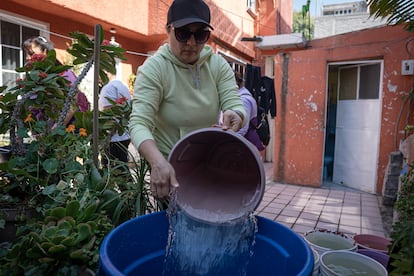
(251,5)
(20,21)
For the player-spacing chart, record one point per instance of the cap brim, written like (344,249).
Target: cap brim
(182,22)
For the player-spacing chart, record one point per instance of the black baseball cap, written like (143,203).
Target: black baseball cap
(184,12)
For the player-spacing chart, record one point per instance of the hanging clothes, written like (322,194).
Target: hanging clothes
(253,79)
(266,97)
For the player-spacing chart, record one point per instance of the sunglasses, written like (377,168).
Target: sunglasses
(200,36)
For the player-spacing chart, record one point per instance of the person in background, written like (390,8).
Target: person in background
(181,88)
(41,45)
(249,129)
(115,90)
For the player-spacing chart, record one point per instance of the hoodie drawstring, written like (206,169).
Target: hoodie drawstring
(195,75)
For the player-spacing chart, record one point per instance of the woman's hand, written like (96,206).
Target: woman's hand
(232,120)
(162,179)
(162,173)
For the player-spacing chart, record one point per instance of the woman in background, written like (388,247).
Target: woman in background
(41,46)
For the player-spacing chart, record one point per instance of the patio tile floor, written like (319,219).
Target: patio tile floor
(332,207)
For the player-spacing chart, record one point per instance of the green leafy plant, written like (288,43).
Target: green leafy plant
(396,12)
(66,240)
(402,236)
(51,169)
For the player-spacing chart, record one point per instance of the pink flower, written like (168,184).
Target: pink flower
(38,57)
(29,65)
(18,82)
(121,100)
(43,75)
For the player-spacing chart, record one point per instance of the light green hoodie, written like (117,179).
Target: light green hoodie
(172,98)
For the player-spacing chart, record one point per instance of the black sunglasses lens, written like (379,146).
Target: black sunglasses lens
(183,35)
(201,36)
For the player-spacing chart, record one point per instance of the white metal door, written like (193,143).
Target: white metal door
(358,127)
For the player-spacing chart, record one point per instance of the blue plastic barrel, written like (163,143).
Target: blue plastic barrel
(137,247)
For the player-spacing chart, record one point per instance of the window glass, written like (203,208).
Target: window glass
(348,78)
(10,34)
(9,79)
(251,4)
(10,60)
(369,84)
(29,32)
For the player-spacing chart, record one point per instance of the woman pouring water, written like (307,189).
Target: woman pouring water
(183,87)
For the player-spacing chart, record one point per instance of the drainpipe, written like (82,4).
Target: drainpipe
(282,132)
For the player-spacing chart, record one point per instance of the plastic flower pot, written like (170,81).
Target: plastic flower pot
(316,262)
(344,262)
(373,242)
(379,256)
(323,240)
(5,153)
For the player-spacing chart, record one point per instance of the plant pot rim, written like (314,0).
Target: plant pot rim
(372,242)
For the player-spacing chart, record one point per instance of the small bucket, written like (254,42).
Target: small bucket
(343,262)
(220,173)
(323,240)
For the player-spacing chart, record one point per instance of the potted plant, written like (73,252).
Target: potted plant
(51,170)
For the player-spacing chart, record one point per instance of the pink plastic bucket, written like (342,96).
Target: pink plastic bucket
(220,173)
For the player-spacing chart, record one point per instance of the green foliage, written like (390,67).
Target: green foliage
(34,104)
(75,202)
(402,235)
(302,25)
(397,12)
(83,48)
(66,239)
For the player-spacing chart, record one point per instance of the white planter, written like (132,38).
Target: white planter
(316,265)
(344,262)
(324,240)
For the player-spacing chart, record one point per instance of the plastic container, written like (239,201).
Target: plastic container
(221,175)
(323,240)
(373,242)
(316,265)
(5,153)
(344,262)
(137,247)
(379,256)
